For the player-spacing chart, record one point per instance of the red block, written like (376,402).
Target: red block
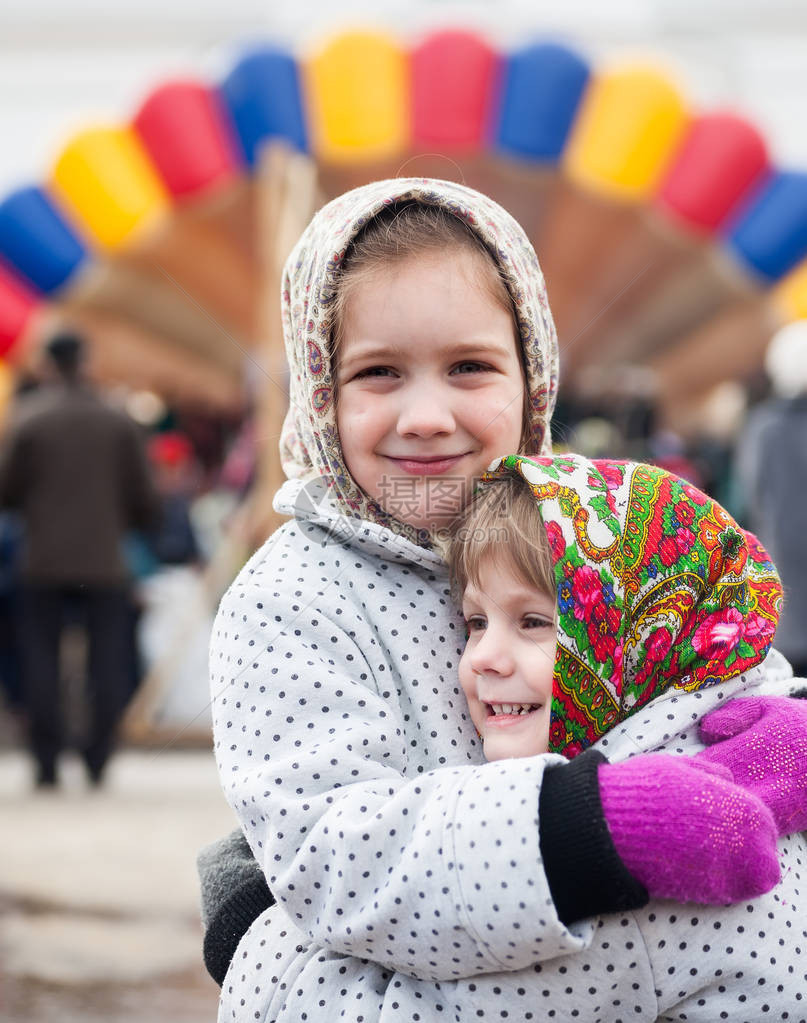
(454,90)
(720,161)
(17,304)
(185,129)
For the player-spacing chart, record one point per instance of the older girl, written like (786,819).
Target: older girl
(420,346)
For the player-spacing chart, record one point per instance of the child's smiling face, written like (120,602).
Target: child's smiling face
(507,666)
(430,384)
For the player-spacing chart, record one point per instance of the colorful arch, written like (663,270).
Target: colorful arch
(626,133)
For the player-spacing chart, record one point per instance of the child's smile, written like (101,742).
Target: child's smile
(510,713)
(431,387)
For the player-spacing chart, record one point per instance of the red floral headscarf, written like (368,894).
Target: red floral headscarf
(657,588)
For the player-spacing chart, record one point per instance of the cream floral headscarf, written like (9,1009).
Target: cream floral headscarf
(309,444)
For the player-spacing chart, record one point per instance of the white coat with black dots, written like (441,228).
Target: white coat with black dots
(407,871)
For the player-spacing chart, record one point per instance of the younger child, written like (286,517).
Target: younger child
(612,597)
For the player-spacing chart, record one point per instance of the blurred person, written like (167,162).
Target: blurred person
(667,450)
(596,437)
(11,539)
(173,542)
(10,673)
(239,469)
(176,615)
(771,466)
(75,469)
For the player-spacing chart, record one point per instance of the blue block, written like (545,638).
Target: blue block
(541,89)
(770,234)
(262,93)
(37,241)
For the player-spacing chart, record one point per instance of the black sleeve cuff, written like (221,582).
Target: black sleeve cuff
(232,921)
(585,874)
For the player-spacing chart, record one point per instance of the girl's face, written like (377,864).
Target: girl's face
(507,667)
(430,385)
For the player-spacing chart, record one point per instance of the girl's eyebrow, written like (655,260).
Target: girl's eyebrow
(372,350)
(480,347)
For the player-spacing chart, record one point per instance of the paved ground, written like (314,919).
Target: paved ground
(98,894)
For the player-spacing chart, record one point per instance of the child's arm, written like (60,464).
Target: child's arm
(585,878)
(585,874)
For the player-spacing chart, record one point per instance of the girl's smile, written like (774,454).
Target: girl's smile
(425,465)
(430,384)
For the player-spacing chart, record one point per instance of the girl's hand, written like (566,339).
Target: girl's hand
(762,741)
(686,831)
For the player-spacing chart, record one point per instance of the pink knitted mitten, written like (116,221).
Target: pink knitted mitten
(762,740)
(686,832)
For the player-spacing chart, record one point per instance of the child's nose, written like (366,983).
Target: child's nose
(490,655)
(425,412)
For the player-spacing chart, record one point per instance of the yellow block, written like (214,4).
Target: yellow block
(358,98)
(630,123)
(790,295)
(106,180)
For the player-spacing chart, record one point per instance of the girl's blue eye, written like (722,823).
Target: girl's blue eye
(470,367)
(372,371)
(475,623)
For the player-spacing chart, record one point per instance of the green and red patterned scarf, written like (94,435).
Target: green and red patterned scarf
(657,588)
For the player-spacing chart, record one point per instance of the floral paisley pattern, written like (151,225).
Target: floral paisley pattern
(309,444)
(657,587)
(315,361)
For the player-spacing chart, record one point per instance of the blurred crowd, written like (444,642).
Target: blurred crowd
(111,515)
(80,630)
(749,451)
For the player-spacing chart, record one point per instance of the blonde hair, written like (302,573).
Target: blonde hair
(412,228)
(502,522)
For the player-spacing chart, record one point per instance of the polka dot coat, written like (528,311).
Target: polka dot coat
(407,871)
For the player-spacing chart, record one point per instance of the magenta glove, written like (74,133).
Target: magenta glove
(762,740)
(686,831)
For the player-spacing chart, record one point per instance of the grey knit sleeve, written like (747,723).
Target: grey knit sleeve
(234,893)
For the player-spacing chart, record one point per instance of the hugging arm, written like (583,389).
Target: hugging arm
(369,854)
(583,870)
(760,742)
(437,874)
